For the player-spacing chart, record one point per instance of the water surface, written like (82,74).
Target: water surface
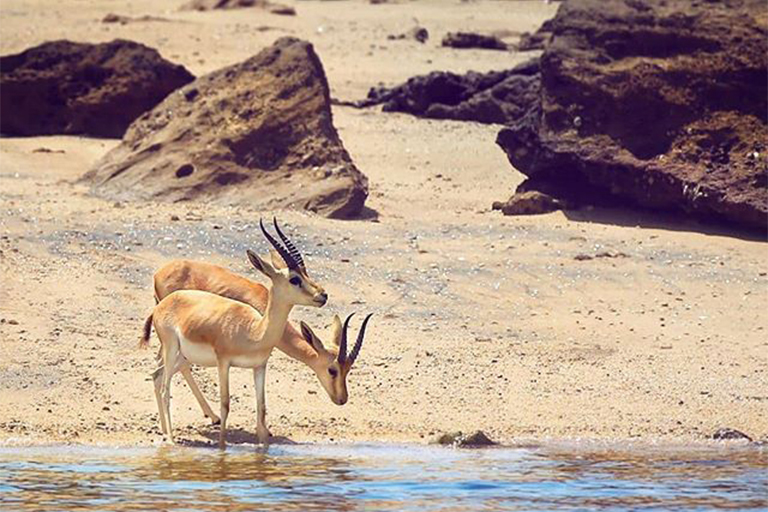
(381,477)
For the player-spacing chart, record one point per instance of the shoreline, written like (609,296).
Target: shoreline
(574,444)
(598,325)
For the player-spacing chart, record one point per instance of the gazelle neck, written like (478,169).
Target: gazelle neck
(272,324)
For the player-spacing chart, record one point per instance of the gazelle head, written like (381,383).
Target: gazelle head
(287,272)
(333,363)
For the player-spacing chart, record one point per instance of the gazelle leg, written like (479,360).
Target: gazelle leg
(170,366)
(224,391)
(207,411)
(157,378)
(168,375)
(259,378)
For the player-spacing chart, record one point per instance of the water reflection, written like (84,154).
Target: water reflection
(347,478)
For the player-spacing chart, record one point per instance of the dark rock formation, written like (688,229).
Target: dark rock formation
(528,203)
(660,105)
(465,40)
(124,20)
(730,434)
(473,440)
(63,87)
(259,133)
(208,5)
(495,97)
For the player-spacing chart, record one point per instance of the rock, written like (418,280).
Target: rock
(476,439)
(62,87)
(209,5)
(536,41)
(419,34)
(465,40)
(528,203)
(495,97)
(730,434)
(652,105)
(284,10)
(259,133)
(124,20)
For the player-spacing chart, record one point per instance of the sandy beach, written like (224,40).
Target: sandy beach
(592,324)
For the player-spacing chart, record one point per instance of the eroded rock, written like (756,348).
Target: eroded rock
(653,105)
(494,97)
(258,133)
(528,203)
(63,87)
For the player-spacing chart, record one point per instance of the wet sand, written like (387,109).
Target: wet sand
(586,325)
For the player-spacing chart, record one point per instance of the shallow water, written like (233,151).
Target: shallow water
(381,477)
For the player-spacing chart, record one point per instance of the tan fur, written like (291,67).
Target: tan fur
(196,275)
(204,328)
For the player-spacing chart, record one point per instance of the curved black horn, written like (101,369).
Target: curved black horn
(292,248)
(279,248)
(359,342)
(343,343)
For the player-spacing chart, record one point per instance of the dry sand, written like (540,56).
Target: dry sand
(482,321)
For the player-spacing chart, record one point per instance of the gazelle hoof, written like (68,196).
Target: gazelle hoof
(263,436)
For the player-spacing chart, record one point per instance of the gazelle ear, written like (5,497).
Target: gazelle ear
(277,261)
(311,338)
(260,264)
(336,330)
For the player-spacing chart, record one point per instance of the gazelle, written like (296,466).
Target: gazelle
(206,329)
(329,364)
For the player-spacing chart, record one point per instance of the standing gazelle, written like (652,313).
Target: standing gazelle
(329,364)
(202,328)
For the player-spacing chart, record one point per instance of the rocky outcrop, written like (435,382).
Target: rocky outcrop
(258,133)
(495,97)
(654,105)
(63,87)
(464,40)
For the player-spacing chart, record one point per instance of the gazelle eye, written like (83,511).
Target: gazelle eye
(295,281)
(333,372)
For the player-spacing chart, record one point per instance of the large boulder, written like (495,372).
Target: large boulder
(63,87)
(494,97)
(258,133)
(652,104)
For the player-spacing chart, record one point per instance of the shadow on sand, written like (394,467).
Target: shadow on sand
(666,221)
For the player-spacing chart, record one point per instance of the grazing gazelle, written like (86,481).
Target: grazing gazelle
(206,329)
(328,363)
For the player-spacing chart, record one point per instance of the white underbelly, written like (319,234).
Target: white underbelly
(253,360)
(198,353)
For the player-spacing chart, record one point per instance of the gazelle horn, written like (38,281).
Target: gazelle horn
(343,343)
(359,342)
(289,260)
(291,248)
